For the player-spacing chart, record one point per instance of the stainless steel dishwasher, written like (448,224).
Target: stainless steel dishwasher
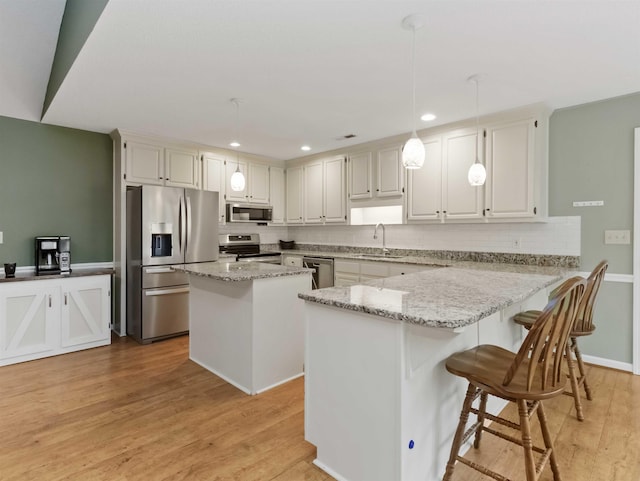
(322,271)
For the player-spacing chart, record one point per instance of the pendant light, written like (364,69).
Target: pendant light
(477,173)
(413,150)
(237,179)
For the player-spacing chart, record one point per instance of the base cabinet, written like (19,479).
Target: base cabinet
(44,318)
(350,272)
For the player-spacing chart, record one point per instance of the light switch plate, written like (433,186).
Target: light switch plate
(617,237)
(588,203)
(1,238)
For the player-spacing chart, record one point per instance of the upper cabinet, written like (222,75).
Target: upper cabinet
(294,195)
(460,200)
(277,194)
(511,183)
(324,198)
(376,174)
(256,176)
(213,179)
(151,163)
(513,148)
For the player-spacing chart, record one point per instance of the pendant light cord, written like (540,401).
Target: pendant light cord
(413,79)
(477,117)
(237,102)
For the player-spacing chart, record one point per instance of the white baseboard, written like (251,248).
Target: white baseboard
(328,470)
(600,361)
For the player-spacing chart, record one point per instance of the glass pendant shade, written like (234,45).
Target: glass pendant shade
(413,153)
(477,174)
(237,181)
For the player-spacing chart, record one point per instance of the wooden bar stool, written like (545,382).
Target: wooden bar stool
(583,327)
(526,378)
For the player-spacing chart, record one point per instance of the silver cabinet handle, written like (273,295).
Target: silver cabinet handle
(49,300)
(65,298)
(162,292)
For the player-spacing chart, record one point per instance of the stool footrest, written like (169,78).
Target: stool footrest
(482,469)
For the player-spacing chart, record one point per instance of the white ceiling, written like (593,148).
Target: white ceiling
(311,71)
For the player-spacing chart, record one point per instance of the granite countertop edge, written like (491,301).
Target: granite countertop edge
(245,271)
(77,272)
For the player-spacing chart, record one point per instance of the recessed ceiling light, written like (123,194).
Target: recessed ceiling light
(428,117)
(234,144)
(306,148)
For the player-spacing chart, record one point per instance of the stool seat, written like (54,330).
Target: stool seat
(527,318)
(484,366)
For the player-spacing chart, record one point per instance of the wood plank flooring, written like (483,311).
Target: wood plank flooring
(127,412)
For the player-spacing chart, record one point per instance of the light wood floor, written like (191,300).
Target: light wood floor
(129,412)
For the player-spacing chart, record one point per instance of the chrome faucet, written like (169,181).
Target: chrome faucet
(385,251)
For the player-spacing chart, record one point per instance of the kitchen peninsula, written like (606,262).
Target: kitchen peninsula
(245,321)
(379,404)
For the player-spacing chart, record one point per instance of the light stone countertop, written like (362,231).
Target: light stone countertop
(449,297)
(240,271)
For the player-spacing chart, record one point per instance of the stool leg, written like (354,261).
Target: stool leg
(583,375)
(457,438)
(527,443)
(548,443)
(575,389)
(482,409)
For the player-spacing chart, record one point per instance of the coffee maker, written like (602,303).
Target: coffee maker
(53,255)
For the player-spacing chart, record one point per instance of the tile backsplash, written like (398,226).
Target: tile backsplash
(557,236)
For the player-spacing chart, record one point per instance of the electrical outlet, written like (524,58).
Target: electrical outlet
(617,237)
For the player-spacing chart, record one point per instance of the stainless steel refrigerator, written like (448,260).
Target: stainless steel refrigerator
(165,226)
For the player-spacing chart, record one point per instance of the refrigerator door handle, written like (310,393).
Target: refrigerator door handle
(188,227)
(182,219)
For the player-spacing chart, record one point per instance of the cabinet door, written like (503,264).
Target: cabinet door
(144,163)
(424,197)
(461,200)
(313,190)
(181,168)
(29,318)
(510,169)
(213,179)
(294,195)
(334,190)
(259,183)
(360,171)
(86,310)
(277,194)
(233,195)
(389,172)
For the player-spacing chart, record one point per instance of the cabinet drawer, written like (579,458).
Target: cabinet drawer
(293,261)
(347,266)
(374,269)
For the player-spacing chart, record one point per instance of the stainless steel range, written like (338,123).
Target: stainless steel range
(246,248)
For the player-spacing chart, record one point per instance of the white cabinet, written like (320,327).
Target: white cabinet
(513,148)
(460,199)
(277,194)
(360,176)
(424,186)
(29,314)
(43,318)
(324,191)
(144,162)
(236,195)
(256,176)
(509,190)
(376,174)
(152,163)
(349,272)
(213,179)
(85,311)
(294,195)
(181,168)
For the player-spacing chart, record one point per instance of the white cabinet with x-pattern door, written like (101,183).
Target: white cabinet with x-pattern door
(47,317)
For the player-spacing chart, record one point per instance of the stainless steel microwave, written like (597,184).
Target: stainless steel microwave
(249,213)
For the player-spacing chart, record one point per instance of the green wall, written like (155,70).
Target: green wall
(55,181)
(591,158)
